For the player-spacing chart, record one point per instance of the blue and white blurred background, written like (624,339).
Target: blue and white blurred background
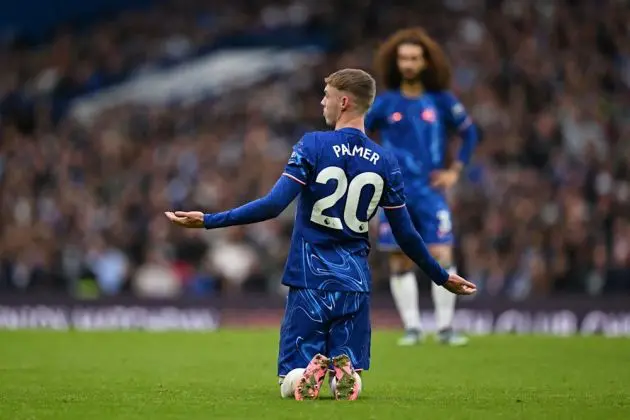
(113,111)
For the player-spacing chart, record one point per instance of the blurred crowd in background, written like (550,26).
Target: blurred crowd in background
(543,208)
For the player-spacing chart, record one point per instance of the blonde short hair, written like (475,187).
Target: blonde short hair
(358,83)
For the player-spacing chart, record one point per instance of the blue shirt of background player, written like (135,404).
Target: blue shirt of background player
(346,176)
(417,130)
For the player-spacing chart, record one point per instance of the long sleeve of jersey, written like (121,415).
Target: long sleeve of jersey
(457,119)
(469,141)
(413,245)
(268,207)
(294,178)
(407,237)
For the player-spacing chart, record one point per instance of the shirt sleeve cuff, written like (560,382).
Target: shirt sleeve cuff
(443,278)
(207,220)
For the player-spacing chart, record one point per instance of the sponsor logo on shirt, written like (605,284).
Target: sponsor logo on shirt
(395,117)
(428,115)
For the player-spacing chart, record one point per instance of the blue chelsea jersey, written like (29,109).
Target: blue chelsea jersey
(346,177)
(416,130)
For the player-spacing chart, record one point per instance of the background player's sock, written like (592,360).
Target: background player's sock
(444,303)
(405,292)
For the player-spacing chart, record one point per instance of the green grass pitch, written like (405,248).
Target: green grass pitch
(231,375)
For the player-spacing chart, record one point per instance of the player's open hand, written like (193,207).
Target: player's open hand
(444,178)
(188,219)
(459,286)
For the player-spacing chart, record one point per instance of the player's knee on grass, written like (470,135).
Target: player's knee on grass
(289,382)
(399,263)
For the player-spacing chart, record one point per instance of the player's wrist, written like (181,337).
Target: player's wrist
(442,278)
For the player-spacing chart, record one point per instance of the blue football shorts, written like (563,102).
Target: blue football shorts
(324,322)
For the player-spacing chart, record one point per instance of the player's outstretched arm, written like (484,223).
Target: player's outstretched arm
(412,244)
(268,207)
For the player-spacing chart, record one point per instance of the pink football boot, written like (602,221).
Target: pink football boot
(311,382)
(348,387)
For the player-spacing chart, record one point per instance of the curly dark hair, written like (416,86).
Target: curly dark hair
(435,77)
